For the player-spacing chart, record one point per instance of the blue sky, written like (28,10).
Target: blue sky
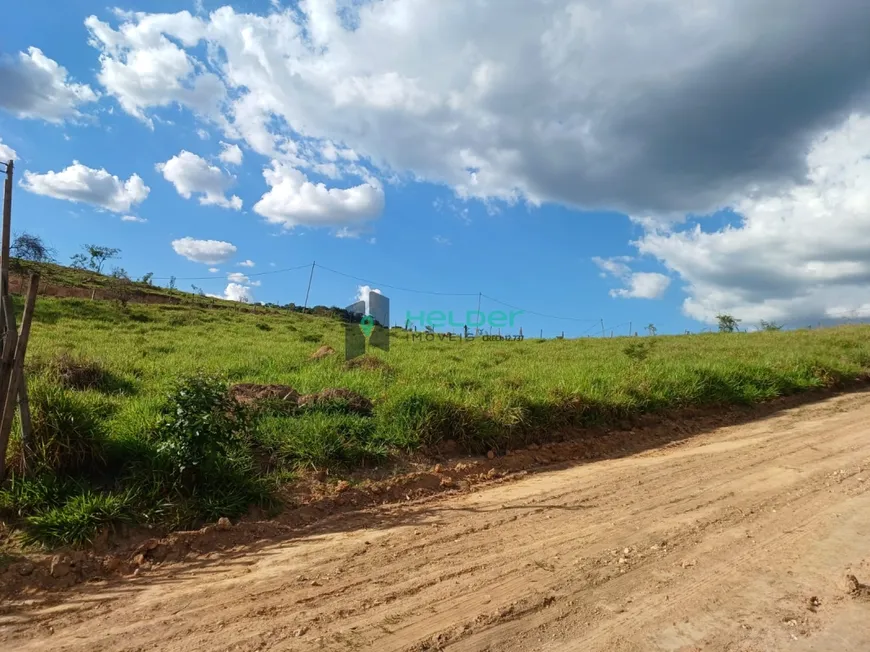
(397,161)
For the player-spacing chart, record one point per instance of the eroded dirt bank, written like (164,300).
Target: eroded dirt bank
(742,538)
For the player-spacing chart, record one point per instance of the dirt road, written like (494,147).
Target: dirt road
(738,539)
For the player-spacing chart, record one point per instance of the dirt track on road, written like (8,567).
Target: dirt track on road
(738,539)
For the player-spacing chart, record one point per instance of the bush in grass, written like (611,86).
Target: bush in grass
(67,432)
(200,424)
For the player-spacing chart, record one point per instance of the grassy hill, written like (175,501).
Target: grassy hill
(119,440)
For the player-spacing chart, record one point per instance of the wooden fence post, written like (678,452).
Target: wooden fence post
(10,400)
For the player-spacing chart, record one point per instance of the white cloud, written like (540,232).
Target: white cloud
(441,240)
(373,241)
(209,252)
(79,183)
(362,294)
(797,255)
(203,134)
(213,270)
(191,174)
(142,68)
(236,292)
(293,200)
(510,101)
(643,285)
(35,86)
(246,263)
(638,285)
(7,153)
(133,218)
(615,266)
(238,277)
(231,154)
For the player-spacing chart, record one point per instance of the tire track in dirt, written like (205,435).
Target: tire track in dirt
(717,542)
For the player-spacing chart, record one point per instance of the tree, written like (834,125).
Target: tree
(770,326)
(95,257)
(652,329)
(727,323)
(31,247)
(120,274)
(146,278)
(171,282)
(79,261)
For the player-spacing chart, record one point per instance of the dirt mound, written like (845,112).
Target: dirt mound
(353,401)
(254,393)
(322,352)
(856,589)
(368,363)
(78,373)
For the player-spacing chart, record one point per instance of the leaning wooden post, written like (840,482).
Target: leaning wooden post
(10,341)
(11,397)
(26,422)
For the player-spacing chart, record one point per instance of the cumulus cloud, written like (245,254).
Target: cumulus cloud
(293,200)
(246,263)
(213,270)
(7,153)
(362,294)
(81,184)
(797,255)
(142,68)
(231,154)
(638,285)
(516,102)
(209,252)
(238,277)
(237,292)
(35,86)
(191,174)
(133,218)
(643,285)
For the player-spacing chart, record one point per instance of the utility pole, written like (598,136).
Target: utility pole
(7,221)
(477,325)
(629,329)
(603,333)
(305,307)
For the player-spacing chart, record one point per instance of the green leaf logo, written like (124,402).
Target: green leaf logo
(367,325)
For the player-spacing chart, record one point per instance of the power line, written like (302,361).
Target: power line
(400,289)
(214,276)
(540,314)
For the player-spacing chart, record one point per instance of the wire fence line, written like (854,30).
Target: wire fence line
(849,316)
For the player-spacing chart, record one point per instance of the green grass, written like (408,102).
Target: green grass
(102,467)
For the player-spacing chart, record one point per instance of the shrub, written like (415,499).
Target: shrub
(200,424)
